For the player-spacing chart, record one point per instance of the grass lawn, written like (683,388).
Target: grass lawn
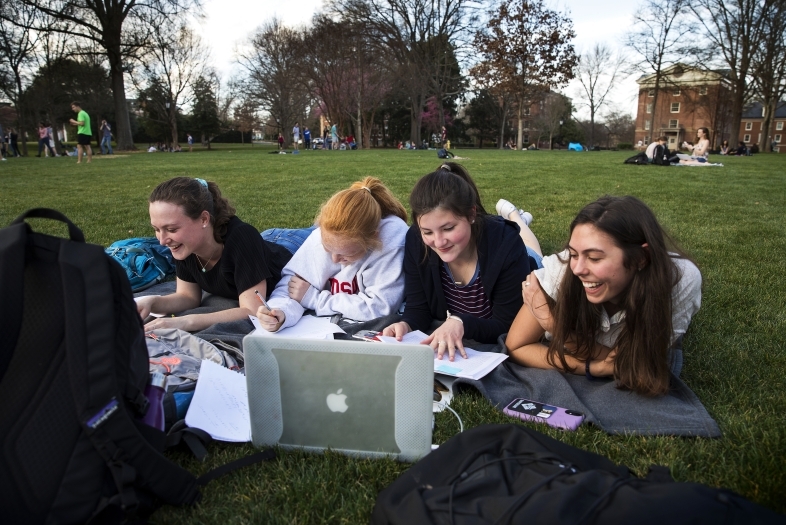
(730,219)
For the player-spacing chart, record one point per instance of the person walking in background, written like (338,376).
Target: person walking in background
(14,139)
(52,144)
(43,139)
(83,132)
(106,138)
(280,141)
(334,137)
(307,138)
(190,143)
(296,134)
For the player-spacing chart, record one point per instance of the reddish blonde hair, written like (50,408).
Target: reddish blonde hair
(355,213)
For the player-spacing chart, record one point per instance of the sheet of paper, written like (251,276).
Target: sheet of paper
(309,327)
(220,404)
(477,364)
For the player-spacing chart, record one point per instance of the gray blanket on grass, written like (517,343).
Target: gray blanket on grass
(679,413)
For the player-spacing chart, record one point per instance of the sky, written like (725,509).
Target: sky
(229,22)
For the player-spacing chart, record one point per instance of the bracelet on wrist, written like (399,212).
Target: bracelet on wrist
(451,316)
(587,371)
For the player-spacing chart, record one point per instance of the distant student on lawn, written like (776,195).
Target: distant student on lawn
(83,132)
(650,151)
(350,264)
(214,251)
(615,303)
(190,143)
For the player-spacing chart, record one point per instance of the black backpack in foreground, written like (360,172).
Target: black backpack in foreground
(512,474)
(73,368)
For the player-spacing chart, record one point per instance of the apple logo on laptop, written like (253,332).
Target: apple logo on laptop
(337,402)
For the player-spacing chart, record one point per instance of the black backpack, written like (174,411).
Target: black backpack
(73,368)
(638,158)
(442,153)
(512,474)
(661,156)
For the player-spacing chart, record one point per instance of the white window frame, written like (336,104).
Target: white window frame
(649,108)
(673,104)
(676,124)
(748,126)
(778,138)
(746,138)
(650,92)
(703,90)
(677,92)
(646,125)
(779,125)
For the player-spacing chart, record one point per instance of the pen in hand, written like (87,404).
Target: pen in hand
(264,303)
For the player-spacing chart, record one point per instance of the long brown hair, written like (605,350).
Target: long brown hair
(451,188)
(196,196)
(355,213)
(642,361)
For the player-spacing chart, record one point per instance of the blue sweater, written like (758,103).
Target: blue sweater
(504,264)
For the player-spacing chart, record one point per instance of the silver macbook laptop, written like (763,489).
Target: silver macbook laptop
(362,399)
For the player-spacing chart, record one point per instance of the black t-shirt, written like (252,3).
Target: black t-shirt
(247,259)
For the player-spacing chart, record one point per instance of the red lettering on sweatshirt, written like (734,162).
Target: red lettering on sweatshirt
(337,287)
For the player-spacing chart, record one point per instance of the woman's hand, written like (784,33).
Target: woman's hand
(604,367)
(144,305)
(297,287)
(397,330)
(183,323)
(271,320)
(447,338)
(535,299)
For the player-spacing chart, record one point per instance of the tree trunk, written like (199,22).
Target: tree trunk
(520,135)
(551,139)
(125,141)
(768,114)
(736,108)
(173,125)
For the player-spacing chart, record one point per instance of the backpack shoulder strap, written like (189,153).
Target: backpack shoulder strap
(13,243)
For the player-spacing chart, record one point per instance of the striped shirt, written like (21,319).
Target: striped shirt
(470,299)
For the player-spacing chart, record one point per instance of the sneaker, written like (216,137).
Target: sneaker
(525,216)
(505,208)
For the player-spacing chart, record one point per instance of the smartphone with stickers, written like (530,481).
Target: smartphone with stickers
(367,335)
(554,416)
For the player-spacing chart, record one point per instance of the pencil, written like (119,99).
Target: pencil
(261,299)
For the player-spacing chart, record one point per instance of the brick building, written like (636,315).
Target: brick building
(688,98)
(752,128)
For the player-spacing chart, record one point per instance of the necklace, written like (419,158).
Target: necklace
(208,261)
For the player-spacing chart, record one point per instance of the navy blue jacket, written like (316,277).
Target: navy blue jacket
(504,264)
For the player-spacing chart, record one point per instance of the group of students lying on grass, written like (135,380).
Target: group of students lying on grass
(614,303)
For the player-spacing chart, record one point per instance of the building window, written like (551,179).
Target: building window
(651,93)
(677,92)
(779,125)
(748,126)
(778,138)
(675,107)
(646,125)
(649,107)
(703,90)
(674,124)
(746,139)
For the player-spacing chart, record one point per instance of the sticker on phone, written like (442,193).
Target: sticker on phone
(533,409)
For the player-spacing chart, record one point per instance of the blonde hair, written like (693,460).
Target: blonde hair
(355,213)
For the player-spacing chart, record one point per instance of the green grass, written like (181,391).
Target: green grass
(730,219)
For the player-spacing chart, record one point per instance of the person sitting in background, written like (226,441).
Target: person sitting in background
(650,151)
(700,152)
(724,148)
(742,149)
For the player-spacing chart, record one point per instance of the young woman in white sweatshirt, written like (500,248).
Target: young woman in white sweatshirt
(351,264)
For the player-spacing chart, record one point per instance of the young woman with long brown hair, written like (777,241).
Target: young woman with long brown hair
(615,303)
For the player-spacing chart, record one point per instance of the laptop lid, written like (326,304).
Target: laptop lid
(362,399)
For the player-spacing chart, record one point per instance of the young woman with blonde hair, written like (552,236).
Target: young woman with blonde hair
(350,264)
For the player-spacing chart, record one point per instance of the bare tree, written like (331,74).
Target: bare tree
(598,72)
(274,77)
(17,48)
(734,29)
(416,38)
(119,27)
(525,50)
(174,59)
(661,31)
(768,67)
(554,110)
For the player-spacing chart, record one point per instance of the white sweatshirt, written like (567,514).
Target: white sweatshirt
(364,290)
